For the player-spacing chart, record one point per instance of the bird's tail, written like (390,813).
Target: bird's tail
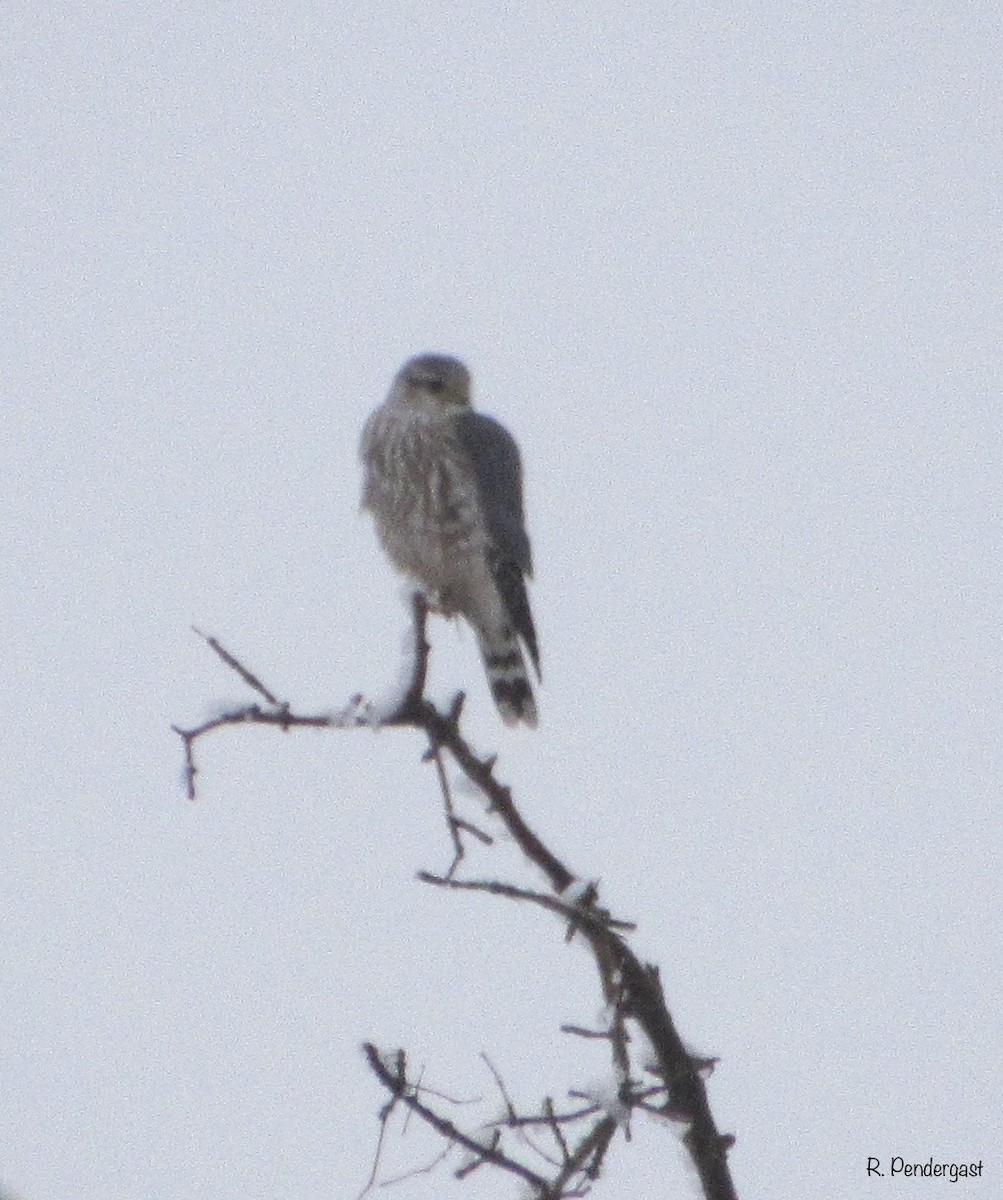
(507,675)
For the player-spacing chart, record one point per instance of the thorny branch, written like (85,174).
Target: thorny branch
(632,991)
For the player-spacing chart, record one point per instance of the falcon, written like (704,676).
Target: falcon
(444,486)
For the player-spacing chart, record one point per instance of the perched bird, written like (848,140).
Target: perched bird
(444,484)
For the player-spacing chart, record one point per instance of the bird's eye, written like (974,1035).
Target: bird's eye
(435,385)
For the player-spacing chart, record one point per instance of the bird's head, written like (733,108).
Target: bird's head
(436,376)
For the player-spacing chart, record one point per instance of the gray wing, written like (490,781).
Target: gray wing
(498,472)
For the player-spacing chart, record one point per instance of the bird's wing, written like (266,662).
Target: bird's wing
(498,473)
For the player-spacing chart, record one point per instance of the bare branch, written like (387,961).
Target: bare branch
(511,1119)
(509,1106)
(251,680)
(588,1156)
(589,918)
(414,710)
(427,1169)
(632,991)
(385,1112)
(578,1031)
(396,1083)
(554,1125)
(416,688)
(549,1117)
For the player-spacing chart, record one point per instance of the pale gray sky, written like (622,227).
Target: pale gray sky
(733,279)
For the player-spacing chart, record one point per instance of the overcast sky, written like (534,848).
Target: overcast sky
(732,276)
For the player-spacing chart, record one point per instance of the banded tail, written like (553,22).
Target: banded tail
(508,677)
